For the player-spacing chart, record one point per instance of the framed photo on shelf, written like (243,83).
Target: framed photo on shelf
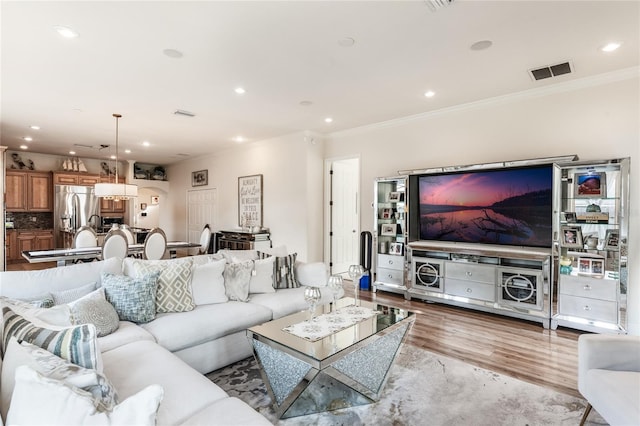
(590,185)
(388,229)
(395,197)
(200,178)
(387,213)
(591,267)
(396,248)
(611,239)
(571,237)
(570,217)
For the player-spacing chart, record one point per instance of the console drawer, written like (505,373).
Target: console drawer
(470,272)
(390,276)
(589,287)
(593,309)
(470,289)
(390,261)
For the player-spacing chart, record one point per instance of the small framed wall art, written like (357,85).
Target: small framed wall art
(611,239)
(590,185)
(572,237)
(250,201)
(200,178)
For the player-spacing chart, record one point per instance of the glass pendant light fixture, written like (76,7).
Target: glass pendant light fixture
(116,191)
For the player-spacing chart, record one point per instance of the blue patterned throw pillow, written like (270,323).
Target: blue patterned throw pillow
(133,298)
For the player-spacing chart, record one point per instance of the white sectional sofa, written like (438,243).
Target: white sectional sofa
(176,348)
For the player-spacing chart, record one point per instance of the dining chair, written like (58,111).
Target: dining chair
(155,245)
(205,240)
(127,232)
(115,245)
(85,237)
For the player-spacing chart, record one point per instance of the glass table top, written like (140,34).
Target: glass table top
(328,346)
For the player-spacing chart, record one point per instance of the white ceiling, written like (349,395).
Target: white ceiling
(283,53)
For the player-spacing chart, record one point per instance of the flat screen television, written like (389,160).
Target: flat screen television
(507,206)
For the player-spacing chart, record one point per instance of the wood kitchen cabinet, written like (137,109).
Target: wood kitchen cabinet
(71,178)
(112,206)
(28,191)
(40,239)
(11,245)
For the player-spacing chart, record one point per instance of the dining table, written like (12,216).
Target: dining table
(63,257)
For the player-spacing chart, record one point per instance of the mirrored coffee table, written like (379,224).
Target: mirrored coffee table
(316,373)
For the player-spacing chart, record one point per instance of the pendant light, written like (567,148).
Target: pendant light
(116,191)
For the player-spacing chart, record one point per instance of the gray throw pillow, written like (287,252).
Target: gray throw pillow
(237,277)
(284,276)
(133,298)
(94,309)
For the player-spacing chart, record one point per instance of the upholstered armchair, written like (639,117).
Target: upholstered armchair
(609,377)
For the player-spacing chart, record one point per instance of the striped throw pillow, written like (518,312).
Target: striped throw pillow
(75,344)
(284,275)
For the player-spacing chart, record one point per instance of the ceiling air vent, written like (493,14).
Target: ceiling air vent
(184,113)
(551,71)
(435,5)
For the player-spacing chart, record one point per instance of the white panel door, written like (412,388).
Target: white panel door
(201,210)
(345,215)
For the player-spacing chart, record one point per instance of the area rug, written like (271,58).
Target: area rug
(424,388)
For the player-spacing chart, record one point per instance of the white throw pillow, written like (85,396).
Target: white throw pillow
(66,296)
(262,276)
(59,315)
(279,251)
(207,283)
(39,400)
(311,274)
(238,255)
(237,277)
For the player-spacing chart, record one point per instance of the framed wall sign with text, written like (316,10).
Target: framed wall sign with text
(250,200)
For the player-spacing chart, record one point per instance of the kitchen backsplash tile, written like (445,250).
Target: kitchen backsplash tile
(25,220)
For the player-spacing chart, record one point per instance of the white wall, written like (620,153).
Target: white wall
(292,190)
(596,119)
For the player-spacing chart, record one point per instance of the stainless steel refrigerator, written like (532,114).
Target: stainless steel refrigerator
(74,206)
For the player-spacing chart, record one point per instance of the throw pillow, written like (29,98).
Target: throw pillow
(75,344)
(102,391)
(311,274)
(44,301)
(236,280)
(284,276)
(262,276)
(238,255)
(66,296)
(174,284)
(94,309)
(133,298)
(40,400)
(207,283)
(59,315)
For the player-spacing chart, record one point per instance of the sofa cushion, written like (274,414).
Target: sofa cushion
(127,332)
(96,384)
(228,412)
(174,283)
(287,301)
(207,282)
(94,308)
(186,390)
(133,298)
(312,274)
(284,276)
(205,323)
(61,404)
(237,277)
(614,394)
(75,344)
(262,276)
(66,296)
(25,284)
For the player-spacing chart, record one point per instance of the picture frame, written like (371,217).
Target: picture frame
(388,229)
(570,217)
(395,197)
(396,249)
(250,201)
(590,185)
(200,178)
(387,213)
(571,237)
(612,239)
(590,266)
(155,199)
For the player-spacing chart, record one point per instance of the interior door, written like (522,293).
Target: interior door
(345,214)
(201,210)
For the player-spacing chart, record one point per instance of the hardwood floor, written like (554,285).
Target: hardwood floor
(517,348)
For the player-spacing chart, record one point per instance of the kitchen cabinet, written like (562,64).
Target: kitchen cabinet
(29,191)
(68,178)
(112,206)
(40,239)
(11,245)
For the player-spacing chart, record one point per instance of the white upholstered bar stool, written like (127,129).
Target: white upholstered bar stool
(155,245)
(115,245)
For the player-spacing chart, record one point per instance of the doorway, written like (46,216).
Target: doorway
(343,183)
(202,207)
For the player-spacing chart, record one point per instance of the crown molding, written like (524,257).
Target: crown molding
(568,86)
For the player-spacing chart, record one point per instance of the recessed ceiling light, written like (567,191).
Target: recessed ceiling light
(127,151)
(481,45)
(610,47)
(34,127)
(239,139)
(172,53)
(240,90)
(65,32)
(306,103)
(346,42)
(27,138)
(429,93)
(146,143)
(72,153)
(113,157)
(24,147)
(328,120)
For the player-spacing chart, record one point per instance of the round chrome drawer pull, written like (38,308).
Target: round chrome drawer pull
(587,308)
(469,290)
(587,287)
